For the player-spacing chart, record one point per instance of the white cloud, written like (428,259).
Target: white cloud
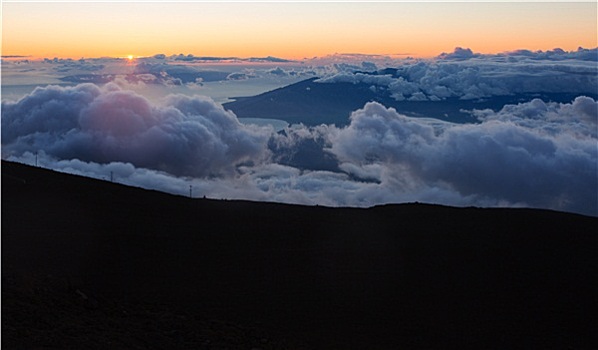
(190,136)
(508,158)
(467,75)
(539,154)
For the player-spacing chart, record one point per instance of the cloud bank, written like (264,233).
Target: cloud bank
(467,75)
(184,136)
(533,154)
(538,154)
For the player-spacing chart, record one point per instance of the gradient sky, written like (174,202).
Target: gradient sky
(291,30)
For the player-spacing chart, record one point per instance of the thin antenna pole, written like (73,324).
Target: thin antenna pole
(111,177)
(190,191)
(36,159)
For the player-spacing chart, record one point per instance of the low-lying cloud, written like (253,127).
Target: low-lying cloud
(184,136)
(467,75)
(534,154)
(538,154)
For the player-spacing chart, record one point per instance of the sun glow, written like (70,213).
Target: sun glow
(292,30)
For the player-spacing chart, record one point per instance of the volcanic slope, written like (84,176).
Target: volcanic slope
(312,103)
(93,264)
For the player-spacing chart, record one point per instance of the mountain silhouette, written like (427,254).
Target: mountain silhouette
(94,264)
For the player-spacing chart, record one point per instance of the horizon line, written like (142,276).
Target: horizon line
(194,57)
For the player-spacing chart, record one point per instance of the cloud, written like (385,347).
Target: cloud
(277,71)
(178,74)
(356,59)
(458,54)
(554,55)
(68,64)
(542,155)
(280,72)
(15,56)
(267,59)
(214,59)
(185,136)
(239,76)
(467,75)
(578,119)
(539,154)
(304,147)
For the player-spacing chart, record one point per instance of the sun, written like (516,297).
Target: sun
(130,57)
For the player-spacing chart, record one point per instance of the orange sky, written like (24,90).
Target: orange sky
(291,30)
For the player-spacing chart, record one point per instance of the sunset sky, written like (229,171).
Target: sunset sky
(290,29)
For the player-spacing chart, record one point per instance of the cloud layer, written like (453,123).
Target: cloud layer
(535,154)
(539,154)
(185,136)
(467,75)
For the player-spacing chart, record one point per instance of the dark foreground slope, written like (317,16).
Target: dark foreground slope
(90,264)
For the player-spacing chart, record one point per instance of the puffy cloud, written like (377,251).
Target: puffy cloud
(187,136)
(378,134)
(580,117)
(51,110)
(283,73)
(508,158)
(519,165)
(356,78)
(539,154)
(458,54)
(68,64)
(263,182)
(555,55)
(278,71)
(467,75)
(550,55)
(366,61)
(238,76)
(177,74)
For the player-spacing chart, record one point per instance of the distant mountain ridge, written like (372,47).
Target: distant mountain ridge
(313,103)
